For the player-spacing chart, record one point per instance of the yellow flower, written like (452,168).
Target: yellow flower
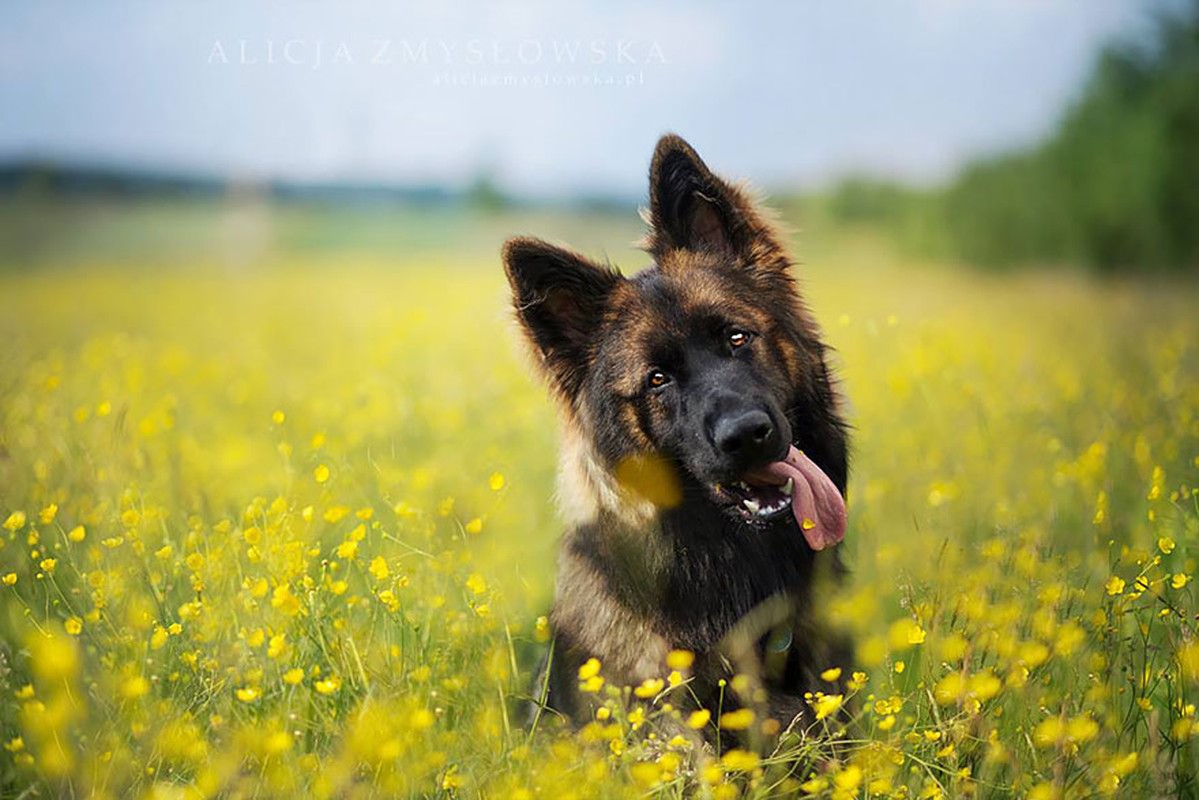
(379,569)
(984,685)
(1166,544)
(278,417)
(9,579)
(15,521)
(1179,580)
(1114,585)
(738,720)
(48,514)
(496,481)
(699,719)
(1043,791)
(1082,729)
(347,549)
(328,685)
(77,534)
(135,687)
(817,784)
(848,780)
(680,659)
(293,676)
(739,761)
(248,694)
(1048,732)
(949,689)
(649,688)
(590,668)
(321,473)
(285,601)
(158,639)
(831,675)
(827,704)
(1125,764)
(900,667)
(48,564)
(73,625)
(277,645)
(592,685)
(478,585)
(905,632)
(636,717)
(475,526)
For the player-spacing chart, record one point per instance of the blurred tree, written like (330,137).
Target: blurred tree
(1117,187)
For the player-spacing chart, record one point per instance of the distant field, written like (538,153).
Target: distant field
(276,495)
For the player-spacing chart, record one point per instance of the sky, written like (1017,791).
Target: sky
(548,97)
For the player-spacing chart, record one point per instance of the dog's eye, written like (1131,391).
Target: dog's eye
(739,339)
(657,379)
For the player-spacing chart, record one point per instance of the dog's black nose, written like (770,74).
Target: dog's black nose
(747,438)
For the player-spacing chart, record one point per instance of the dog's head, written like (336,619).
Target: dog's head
(706,361)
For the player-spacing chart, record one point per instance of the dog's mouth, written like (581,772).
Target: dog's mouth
(758,502)
(795,484)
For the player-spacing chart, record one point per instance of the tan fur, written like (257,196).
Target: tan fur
(628,642)
(586,487)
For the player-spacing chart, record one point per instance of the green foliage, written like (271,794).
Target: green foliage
(1117,186)
(912,218)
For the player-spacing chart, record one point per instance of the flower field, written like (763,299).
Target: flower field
(290,531)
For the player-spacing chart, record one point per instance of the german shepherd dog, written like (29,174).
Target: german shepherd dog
(707,367)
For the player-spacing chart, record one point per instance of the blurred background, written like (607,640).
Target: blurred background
(991,133)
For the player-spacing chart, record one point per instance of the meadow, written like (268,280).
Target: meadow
(283,525)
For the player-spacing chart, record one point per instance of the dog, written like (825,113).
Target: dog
(703,456)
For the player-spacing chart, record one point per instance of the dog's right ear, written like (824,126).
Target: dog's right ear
(560,297)
(690,207)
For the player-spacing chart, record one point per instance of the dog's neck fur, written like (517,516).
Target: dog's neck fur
(661,563)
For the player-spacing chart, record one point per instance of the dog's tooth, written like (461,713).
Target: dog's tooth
(752,506)
(788,486)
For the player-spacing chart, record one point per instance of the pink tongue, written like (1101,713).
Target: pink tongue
(817,505)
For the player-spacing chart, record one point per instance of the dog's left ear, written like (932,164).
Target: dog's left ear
(692,208)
